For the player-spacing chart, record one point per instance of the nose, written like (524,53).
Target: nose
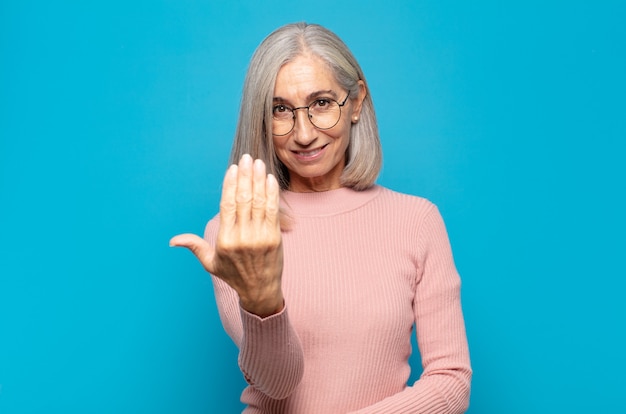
(304,132)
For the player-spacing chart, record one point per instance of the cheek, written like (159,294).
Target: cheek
(344,133)
(341,130)
(279,144)
(280,148)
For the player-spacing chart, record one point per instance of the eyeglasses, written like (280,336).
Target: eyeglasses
(324,113)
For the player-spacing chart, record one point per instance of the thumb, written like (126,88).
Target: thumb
(198,246)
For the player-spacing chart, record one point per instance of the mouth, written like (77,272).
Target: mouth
(310,154)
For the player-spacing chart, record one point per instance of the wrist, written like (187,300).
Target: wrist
(263,307)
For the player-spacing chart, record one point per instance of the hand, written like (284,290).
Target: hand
(248,254)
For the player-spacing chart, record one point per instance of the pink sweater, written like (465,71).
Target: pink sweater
(360,269)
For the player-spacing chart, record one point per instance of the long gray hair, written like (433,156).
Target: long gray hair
(254,128)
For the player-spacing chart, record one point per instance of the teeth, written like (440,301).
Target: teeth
(309,153)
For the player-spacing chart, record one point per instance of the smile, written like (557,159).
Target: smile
(310,154)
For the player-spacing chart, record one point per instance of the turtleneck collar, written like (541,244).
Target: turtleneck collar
(326,203)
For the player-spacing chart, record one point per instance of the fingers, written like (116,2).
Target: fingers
(243,197)
(245,193)
(272,190)
(198,246)
(258,191)
(228,204)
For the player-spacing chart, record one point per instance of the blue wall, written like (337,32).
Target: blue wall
(115,126)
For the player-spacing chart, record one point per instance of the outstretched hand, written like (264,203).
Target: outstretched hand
(248,253)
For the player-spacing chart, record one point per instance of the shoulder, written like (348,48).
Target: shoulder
(401,202)
(408,213)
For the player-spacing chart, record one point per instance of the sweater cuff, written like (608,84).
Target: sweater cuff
(264,334)
(252,318)
(271,356)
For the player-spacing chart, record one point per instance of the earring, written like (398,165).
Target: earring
(355,119)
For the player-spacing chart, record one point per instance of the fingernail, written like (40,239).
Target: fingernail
(258,164)
(272,181)
(246,159)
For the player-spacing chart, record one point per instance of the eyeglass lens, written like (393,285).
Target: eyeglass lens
(324,113)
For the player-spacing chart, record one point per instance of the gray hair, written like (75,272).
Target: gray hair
(254,134)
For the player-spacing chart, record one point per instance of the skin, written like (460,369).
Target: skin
(248,254)
(315,158)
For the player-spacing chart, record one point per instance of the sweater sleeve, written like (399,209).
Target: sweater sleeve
(270,353)
(444,386)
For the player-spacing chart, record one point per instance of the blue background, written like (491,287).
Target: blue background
(115,126)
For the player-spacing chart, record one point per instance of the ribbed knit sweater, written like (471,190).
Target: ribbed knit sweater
(360,269)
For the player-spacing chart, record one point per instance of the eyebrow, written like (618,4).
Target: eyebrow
(310,97)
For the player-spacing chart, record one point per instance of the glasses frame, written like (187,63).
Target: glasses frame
(308,114)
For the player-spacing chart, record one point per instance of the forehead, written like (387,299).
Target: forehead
(303,76)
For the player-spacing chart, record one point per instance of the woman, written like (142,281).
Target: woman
(322,307)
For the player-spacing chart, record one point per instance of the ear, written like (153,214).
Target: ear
(358,101)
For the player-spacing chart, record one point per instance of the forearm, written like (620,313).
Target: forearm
(446,392)
(444,386)
(270,354)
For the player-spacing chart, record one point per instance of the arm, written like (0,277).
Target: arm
(270,354)
(247,258)
(445,382)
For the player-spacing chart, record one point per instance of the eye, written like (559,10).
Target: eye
(322,106)
(281,111)
(322,102)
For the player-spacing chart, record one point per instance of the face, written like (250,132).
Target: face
(315,158)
